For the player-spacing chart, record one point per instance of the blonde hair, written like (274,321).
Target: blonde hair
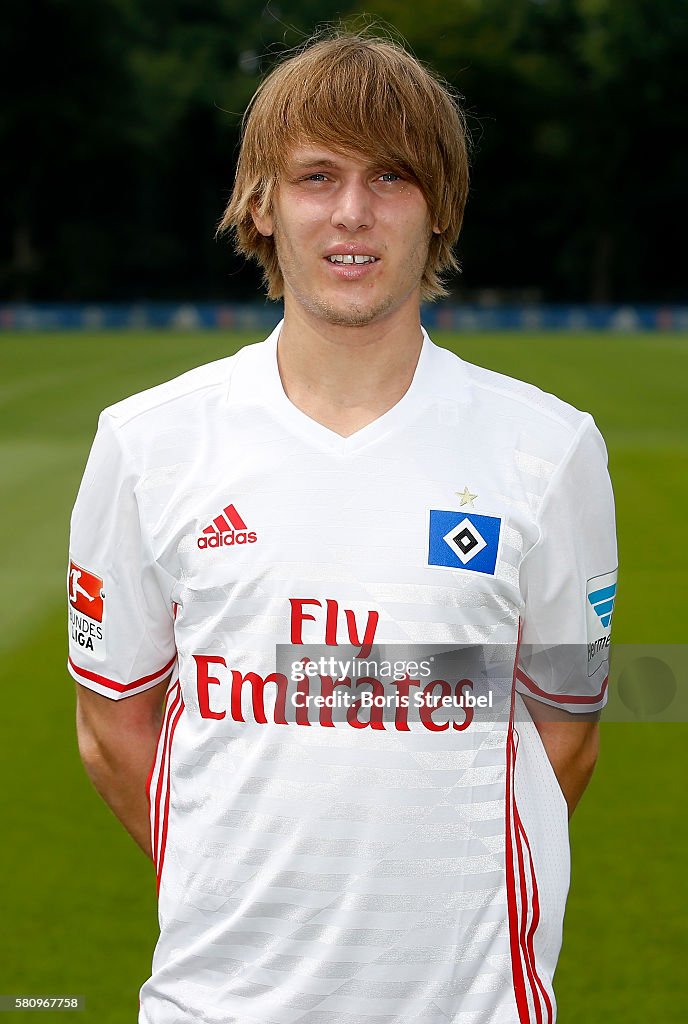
(357,94)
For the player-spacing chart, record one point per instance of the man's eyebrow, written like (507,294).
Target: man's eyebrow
(311,161)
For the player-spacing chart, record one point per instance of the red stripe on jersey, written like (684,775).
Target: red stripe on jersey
(523,890)
(221,523)
(172,705)
(234,518)
(535,920)
(516,965)
(163,841)
(540,994)
(156,756)
(122,687)
(561,698)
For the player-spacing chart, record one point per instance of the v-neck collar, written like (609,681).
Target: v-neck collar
(318,434)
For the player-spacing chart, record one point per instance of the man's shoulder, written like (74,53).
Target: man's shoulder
(175,399)
(500,395)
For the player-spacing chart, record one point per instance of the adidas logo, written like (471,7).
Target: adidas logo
(225,530)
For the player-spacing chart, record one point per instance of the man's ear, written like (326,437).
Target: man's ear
(262,221)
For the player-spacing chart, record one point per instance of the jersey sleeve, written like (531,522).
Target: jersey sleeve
(568,581)
(121,626)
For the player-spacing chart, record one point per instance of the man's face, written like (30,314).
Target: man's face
(352,238)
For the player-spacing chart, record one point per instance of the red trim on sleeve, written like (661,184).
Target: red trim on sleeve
(111,684)
(561,698)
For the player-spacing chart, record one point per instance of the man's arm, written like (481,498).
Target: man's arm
(117,741)
(572,744)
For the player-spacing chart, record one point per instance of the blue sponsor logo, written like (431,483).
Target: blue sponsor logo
(603,603)
(464,540)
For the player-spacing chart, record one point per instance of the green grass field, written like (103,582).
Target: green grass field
(78,899)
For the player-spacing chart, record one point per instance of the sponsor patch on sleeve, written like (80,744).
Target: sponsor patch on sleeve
(600,597)
(86,594)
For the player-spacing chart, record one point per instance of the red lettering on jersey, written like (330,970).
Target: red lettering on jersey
(204,680)
(299,616)
(469,712)
(227,539)
(311,709)
(258,685)
(368,636)
(427,709)
(331,622)
(403,699)
(85,592)
(301,696)
(375,712)
(327,688)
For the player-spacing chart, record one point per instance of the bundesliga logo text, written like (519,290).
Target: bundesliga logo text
(84,631)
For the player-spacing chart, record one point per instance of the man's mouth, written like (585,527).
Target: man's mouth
(348,258)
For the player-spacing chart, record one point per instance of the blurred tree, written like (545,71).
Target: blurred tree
(581,158)
(121,118)
(65,121)
(119,140)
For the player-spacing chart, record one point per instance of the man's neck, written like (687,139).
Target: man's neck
(347,377)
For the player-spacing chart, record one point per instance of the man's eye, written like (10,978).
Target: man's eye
(390,176)
(316,176)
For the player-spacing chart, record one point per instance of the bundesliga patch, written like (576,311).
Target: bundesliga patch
(464,540)
(86,610)
(600,596)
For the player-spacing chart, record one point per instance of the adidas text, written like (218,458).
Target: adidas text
(227,539)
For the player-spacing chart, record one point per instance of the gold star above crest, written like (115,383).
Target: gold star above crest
(466,497)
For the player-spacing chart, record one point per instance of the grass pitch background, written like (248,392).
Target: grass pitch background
(78,899)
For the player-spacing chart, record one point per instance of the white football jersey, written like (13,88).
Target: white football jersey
(320,866)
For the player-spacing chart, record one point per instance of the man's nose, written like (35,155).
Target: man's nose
(353,209)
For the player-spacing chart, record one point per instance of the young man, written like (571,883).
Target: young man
(345,483)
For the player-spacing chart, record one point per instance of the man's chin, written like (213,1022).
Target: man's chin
(352,314)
